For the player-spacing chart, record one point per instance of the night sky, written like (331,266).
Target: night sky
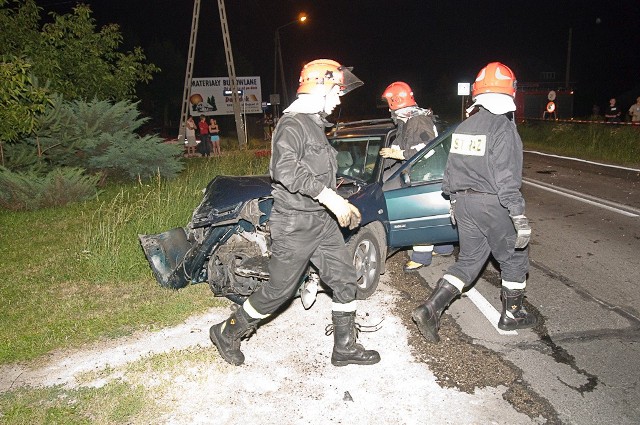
(432,45)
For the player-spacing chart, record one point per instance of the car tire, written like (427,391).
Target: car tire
(364,249)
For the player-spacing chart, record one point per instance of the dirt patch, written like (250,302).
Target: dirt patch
(456,361)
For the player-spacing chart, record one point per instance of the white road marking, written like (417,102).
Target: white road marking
(584,160)
(487,310)
(592,200)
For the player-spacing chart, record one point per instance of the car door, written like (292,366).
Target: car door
(417,209)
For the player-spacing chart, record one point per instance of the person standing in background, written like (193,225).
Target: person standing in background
(204,147)
(614,112)
(191,136)
(214,131)
(634,111)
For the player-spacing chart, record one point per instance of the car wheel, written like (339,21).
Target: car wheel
(364,248)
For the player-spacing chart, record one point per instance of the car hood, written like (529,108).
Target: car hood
(225,196)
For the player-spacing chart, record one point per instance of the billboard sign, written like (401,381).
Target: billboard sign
(211,96)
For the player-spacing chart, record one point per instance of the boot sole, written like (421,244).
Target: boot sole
(516,327)
(425,329)
(214,339)
(340,363)
(414,269)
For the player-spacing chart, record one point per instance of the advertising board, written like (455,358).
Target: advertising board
(212,96)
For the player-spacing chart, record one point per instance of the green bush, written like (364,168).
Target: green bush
(100,137)
(28,191)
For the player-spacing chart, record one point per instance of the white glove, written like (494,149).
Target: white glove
(392,153)
(521,224)
(354,220)
(339,206)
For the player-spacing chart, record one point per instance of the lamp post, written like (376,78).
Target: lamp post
(277,59)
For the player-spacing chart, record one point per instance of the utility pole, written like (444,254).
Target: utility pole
(240,129)
(184,113)
(566,74)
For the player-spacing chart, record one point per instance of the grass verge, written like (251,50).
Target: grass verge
(104,397)
(619,145)
(117,402)
(75,274)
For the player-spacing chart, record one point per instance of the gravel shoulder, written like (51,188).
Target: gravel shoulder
(288,377)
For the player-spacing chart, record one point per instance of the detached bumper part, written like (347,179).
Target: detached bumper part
(166,253)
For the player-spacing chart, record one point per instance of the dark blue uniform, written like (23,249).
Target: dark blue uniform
(302,230)
(483,177)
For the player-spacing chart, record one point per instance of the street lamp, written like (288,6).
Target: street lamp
(277,59)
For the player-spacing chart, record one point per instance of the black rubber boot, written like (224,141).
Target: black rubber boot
(226,335)
(514,316)
(345,349)
(427,315)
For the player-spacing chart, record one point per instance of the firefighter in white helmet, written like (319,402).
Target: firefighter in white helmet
(483,178)
(415,129)
(303,219)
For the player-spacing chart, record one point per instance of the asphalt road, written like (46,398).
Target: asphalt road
(584,356)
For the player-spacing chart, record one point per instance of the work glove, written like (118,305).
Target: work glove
(340,207)
(392,153)
(355,218)
(452,211)
(523,230)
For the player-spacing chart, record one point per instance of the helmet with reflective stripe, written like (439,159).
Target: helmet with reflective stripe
(321,75)
(398,95)
(495,78)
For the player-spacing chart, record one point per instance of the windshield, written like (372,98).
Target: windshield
(358,156)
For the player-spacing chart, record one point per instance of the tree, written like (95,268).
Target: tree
(76,59)
(66,106)
(68,56)
(21,101)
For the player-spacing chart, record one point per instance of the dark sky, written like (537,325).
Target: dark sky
(432,45)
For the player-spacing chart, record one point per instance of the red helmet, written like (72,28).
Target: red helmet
(319,77)
(398,95)
(495,78)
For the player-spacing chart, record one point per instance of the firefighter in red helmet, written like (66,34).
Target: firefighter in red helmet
(303,219)
(483,178)
(415,129)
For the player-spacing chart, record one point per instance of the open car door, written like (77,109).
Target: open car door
(418,211)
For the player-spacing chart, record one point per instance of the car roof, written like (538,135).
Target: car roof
(372,127)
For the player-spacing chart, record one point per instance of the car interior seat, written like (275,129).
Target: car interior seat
(345,161)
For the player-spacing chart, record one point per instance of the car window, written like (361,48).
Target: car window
(357,156)
(431,165)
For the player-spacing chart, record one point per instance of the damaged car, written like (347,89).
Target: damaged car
(227,242)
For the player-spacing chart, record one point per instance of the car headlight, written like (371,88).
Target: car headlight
(225,211)
(216,214)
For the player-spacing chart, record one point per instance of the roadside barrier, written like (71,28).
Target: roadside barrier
(635,124)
